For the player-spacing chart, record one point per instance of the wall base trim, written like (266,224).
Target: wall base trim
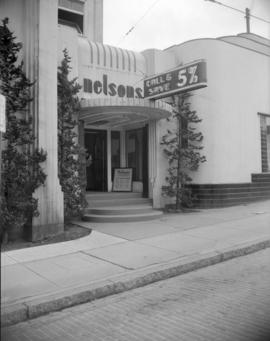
(222,195)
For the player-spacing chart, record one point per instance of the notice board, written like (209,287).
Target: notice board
(122,181)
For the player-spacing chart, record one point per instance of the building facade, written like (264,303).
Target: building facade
(120,128)
(234,108)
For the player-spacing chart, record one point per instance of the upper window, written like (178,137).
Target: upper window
(71,19)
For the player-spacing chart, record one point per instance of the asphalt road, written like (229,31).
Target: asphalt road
(229,301)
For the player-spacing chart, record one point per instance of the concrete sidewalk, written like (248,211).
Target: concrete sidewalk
(120,256)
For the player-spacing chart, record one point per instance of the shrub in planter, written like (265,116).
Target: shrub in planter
(22,173)
(71,157)
(182,146)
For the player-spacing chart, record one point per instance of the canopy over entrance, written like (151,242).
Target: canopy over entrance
(122,112)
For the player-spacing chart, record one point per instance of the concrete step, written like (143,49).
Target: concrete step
(119,207)
(112,195)
(122,218)
(93,203)
(120,210)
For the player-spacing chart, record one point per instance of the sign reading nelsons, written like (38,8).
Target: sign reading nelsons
(107,88)
(187,77)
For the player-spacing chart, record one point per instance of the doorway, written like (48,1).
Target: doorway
(137,156)
(96,160)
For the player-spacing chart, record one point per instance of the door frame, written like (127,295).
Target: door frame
(144,156)
(123,157)
(104,182)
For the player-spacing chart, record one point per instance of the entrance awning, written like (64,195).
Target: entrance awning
(122,112)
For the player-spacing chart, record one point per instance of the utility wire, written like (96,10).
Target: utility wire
(239,10)
(139,20)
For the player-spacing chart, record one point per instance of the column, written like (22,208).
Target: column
(123,162)
(93,20)
(50,197)
(109,161)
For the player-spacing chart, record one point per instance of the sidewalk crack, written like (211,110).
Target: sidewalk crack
(108,261)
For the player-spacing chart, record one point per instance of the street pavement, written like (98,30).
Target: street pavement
(120,256)
(224,302)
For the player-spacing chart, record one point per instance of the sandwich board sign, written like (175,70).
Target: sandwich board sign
(122,181)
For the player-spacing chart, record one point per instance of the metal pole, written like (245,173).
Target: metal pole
(0,165)
(248,19)
(1,227)
(2,129)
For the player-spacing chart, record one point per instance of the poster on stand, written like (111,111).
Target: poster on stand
(122,181)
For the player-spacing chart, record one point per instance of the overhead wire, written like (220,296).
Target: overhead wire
(238,10)
(139,20)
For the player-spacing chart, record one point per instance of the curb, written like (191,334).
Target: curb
(19,312)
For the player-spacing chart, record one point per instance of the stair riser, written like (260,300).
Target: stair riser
(113,196)
(119,211)
(120,202)
(123,219)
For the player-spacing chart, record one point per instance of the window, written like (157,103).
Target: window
(265,142)
(71,19)
(134,150)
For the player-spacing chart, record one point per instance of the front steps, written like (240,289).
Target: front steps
(222,195)
(116,207)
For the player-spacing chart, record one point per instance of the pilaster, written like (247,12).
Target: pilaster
(123,149)
(109,161)
(50,196)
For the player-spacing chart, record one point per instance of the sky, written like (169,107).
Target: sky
(163,23)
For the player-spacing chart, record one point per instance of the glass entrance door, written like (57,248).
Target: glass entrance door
(96,160)
(115,151)
(137,155)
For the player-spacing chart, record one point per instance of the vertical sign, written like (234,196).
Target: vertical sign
(2,113)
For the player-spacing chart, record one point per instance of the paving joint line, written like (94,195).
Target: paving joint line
(107,261)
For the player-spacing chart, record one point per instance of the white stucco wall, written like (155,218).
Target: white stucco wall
(238,88)
(159,60)
(93,20)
